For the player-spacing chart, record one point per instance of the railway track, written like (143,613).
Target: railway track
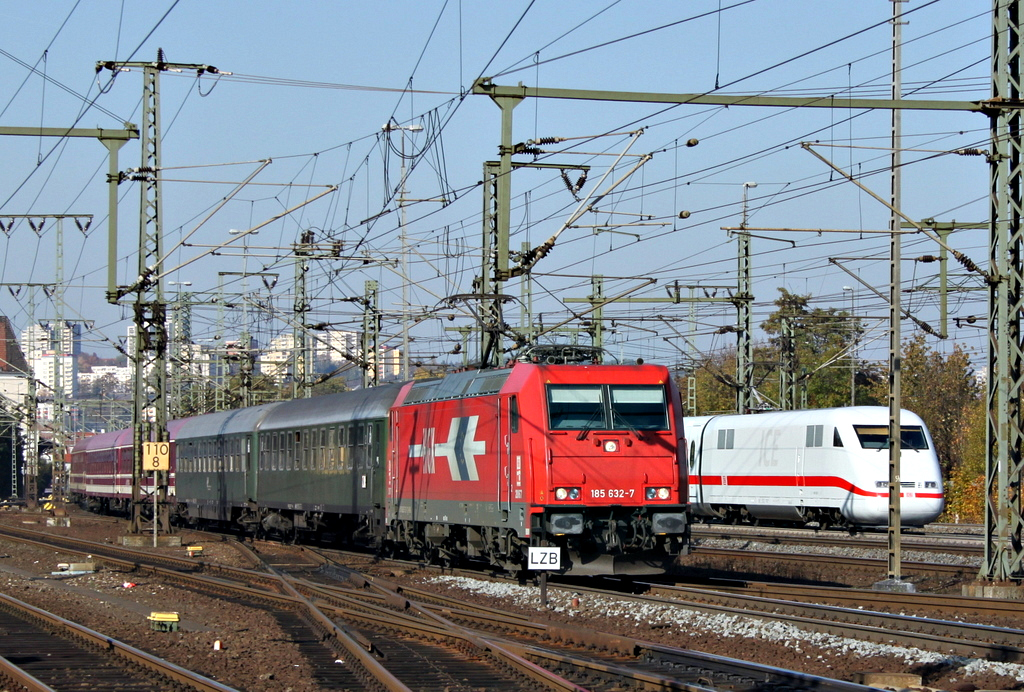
(41,651)
(942,570)
(964,544)
(920,604)
(584,657)
(372,626)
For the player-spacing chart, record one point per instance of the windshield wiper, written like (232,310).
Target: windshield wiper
(589,425)
(625,421)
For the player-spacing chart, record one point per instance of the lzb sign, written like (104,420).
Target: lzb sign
(549,558)
(156,456)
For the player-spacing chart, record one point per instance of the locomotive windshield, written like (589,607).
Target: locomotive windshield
(877,436)
(607,407)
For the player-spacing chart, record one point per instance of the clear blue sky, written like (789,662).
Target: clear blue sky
(313,83)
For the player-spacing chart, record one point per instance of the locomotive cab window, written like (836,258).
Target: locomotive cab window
(639,407)
(877,436)
(607,407)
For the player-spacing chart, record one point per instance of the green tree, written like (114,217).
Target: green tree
(815,345)
(714,378)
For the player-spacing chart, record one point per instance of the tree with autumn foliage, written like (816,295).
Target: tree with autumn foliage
(814,343)
(942,388)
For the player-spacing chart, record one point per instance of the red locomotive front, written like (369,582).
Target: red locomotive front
(587,458)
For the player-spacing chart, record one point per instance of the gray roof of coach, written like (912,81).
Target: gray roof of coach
(238,421)
(330,409)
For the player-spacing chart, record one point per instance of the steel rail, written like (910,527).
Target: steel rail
(165,669)
(12,675)
(864,598)
(853,563)
(963,545)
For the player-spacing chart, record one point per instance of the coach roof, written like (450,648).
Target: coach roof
(239,421)
(331,409)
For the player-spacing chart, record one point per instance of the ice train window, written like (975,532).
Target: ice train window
(836,440)
(877,436)
(815,434)
(726,438)
(913,437)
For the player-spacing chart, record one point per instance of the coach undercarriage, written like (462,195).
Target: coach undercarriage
(824,517)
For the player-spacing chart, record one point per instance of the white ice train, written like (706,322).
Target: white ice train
(829,466)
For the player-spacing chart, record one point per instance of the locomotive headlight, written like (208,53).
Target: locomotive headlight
(567,493)
(657,493)
(931,484)
(881,484)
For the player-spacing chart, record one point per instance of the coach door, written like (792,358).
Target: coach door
(254,451)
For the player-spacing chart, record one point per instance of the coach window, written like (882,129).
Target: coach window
(815,434)
(343,452)
(726,438)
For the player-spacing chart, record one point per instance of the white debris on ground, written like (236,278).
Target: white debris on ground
(560,601)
